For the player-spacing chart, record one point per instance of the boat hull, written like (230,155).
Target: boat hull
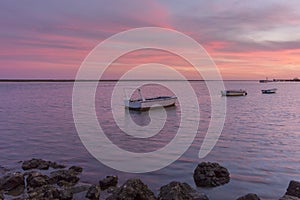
(269,91)
(234,93)
(150,103)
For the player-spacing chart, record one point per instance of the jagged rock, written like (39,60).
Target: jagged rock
(109,181)
(12,181)
(80,188)
(35,164)
(66,195)
(293,189)
(249,196)
(40,164)
(36,179)
(180,191)
(209,174)
(54,165)
(44,192)
(288,197)
(93,193)
(111,189)
(133,189)
(75,170)
(63,178)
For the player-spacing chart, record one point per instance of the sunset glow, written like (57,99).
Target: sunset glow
(246,40)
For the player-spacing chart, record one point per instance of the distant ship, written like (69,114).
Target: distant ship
(265,81)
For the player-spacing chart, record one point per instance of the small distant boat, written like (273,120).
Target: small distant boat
(269,91)
(147,103)
(234,93)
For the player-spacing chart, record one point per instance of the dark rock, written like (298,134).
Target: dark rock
(288,197)
(12,181)
(54,165)
(180,191)
(293,189)
(80,188)
(66,195)
(133,189)
(109,181)
(44,192)
(111,189)
(40,164)
(36,179)
(249,196)
(63,178)
(93,192)
(35,164)
(209,174)
(75,169)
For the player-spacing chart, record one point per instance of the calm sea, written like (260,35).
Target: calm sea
(260,142)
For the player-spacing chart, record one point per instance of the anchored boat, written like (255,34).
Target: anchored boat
(269,91)
(234,93)
(147,103)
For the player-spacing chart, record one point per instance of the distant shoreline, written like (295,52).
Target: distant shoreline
(107,80)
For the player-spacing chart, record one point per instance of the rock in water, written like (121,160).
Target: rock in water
(40,164)
(209,174)
(93,193)
(75,170)
(12,181)
(249,196)
(109,181)
(66,195)
(288,197)
(36,179)
(133,189)
(44,192)
(63,178)
(180,191)
(293,189)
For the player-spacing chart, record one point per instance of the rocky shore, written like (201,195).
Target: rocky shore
(47,180)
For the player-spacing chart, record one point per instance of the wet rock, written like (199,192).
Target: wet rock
(12,181)
(40,164)
(66,195)
(288,197)
(36,179)
(80,188)
(54,165)
(63,178)
(249,196)
(111,189)
(133,189)
(35,164)
(109,181)
(44,192)
(75,170)
(209,174)
(93,193)
(293,189)
(180,191)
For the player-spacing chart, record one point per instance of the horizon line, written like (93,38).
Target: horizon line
(106,80)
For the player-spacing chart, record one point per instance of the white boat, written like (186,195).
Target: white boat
(233,93)
(147,103)
(269,91)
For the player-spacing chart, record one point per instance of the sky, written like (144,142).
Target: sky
(248,40)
